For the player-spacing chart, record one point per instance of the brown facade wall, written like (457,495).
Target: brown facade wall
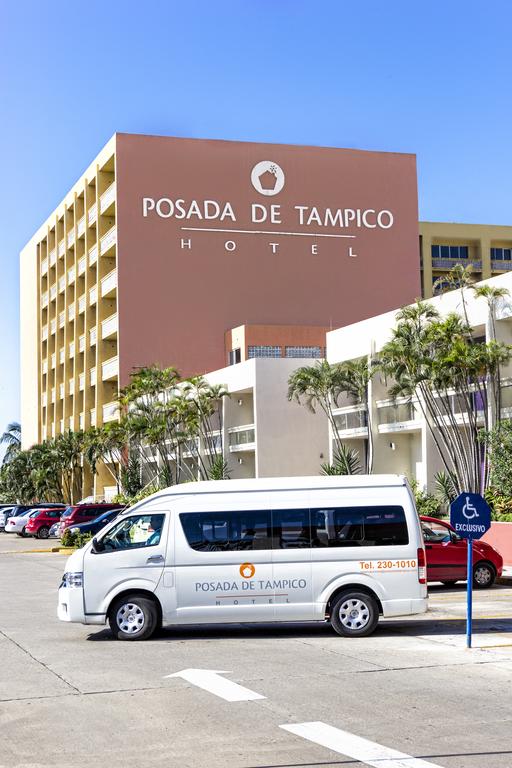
(175,304)
(276,335)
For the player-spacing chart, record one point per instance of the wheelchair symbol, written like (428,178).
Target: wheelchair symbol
(469,510)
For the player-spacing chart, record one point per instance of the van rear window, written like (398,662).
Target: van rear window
(301,528)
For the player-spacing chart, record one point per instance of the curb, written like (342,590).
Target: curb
(58,550)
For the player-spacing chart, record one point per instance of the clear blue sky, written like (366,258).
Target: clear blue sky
(431,77)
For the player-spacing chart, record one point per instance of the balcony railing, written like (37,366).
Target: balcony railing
(81,304)
(71,386)
(110,368)
(62,247)
(501,266)
(53,360)
(52,395)
(44,399)
(109,283)
(71,311)
(92,377)
(81,266)
(214,443)
(110,411)
(81,382)
(53,429)
(61,391)
(71,275)
(44,266)
(93,295)
(62,283)
(109,326)
(45,299)
(71,238)
(53,326)
(61,426)
(81,421)
(72,349)
(93,417)
(80,227)
(70,423)
(108,240)
(352,420)
(108,197)
(398,416)
(45,366)
(242,438)
(93,254)
(62,354)
(81,343)
(449,263)
(62,318)
(53,292)
(93,214)
(93,335)
(53,257)
(44,333)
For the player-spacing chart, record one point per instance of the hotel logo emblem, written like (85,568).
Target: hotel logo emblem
(267,177)
(247,570)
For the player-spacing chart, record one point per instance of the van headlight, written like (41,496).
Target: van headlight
(73,579)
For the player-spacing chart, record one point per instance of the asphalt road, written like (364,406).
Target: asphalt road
(71,695)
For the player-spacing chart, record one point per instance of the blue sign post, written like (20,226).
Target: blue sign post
(470,516)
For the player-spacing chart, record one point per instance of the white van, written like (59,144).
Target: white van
(342,549)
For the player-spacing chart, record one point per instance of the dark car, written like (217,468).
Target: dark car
(96,525)
(84,513)
(447,556)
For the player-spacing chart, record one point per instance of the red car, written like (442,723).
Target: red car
(83,513)
(447,556)
(39,525)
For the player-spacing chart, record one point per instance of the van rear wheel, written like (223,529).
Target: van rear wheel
(133,617)
(354,614)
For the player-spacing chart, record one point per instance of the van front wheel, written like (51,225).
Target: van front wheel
(133,617)
(354,614)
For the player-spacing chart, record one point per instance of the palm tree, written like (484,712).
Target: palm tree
(12,439)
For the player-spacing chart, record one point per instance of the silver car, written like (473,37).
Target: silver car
(4,514)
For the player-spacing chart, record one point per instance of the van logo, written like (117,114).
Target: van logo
(267,177)
(247,570)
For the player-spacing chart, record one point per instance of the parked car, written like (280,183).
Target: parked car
(21,512)
(97,524)
(84,513)
(447,556)
(54,530)
(39,524)
(5,512)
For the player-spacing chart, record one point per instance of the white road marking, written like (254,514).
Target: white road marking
(209,680)
(345,743)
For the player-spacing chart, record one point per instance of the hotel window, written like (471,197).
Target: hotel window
(501,254)
(456,252)
(303,352)
(235,356)
(264,351)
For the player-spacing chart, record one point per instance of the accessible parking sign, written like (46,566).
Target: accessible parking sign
(470,515)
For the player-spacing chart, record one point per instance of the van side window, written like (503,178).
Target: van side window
(291,528)
(227,531)
(359,527)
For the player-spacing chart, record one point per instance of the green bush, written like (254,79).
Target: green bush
(123,498)
(75,539)
(500,504)
(426,503)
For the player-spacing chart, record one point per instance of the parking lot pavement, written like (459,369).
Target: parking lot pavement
(71,695)
(12,543)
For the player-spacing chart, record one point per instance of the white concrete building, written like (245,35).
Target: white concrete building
(401,438)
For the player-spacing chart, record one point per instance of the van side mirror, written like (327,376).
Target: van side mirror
(97,546)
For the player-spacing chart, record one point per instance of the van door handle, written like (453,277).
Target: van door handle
(155,559)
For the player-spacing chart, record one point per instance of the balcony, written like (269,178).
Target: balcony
(93,334)
(213,445)
(93,417)
(62,283)
(62,355)
(62,319)
(53,360)
(71,349)
(81,304)
(351,421)
(81,343)
(81,421)
(71,238)
(108,240)
(110,411)
(45,367)
(93,295)
(81,382)
(62,247)
(61,391)
(108,197)
(71,275)
(53,258)
(110,369)
(449,263)
(109,327)
(53,326)
(501,266)
(53,430)
(44,299)
(80,227)
(71,386)
(93,214)
(242,438)
(109,284)
(71,311)
(44,399)
(398,416)
(81,266)
(44,267)
(92,377)
(93,254)
(53,292)
(61,426)
(52,395)
(70,424)
(44,333)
